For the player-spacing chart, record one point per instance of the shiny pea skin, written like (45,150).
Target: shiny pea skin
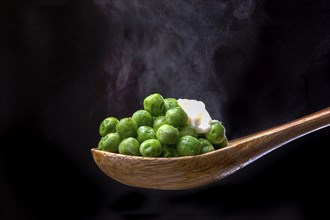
(188,146)
(151,148)
(223,143)
(170,103)
(176,117)
(145,133)
(159,121)
(143,118)
(187,130)
(167,134)
(110,142)
(206,146)
(154,104)
(126,127)
(216,134)
(108,125)
(129,146)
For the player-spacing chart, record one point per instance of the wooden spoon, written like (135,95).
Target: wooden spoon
(194,171)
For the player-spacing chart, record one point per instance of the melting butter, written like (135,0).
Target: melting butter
(198,117)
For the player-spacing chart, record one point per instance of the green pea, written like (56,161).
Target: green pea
(170,103)
(223,143)
(206,146)
(216,134)
(188,146)
(159,121)
(170,151)
(129,146)
(187,130)
(110,142)
(151,148)
(162,129)
(126,127)
(108,125)
(143,117)
(176,117)
(145,133)
(167,134)
(154,104)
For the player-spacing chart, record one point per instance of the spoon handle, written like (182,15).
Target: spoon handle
(263,142)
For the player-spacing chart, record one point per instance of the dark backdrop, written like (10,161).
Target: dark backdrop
(66,65)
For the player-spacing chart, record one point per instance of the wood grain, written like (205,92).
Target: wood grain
(194,171)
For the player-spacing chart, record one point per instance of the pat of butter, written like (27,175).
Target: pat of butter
(198,118)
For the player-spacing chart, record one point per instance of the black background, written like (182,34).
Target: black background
(53,86)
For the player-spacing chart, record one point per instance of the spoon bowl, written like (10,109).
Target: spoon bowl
(194,171)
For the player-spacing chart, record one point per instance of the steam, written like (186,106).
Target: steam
(167,47)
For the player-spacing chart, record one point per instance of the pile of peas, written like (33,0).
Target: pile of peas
(161,129)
